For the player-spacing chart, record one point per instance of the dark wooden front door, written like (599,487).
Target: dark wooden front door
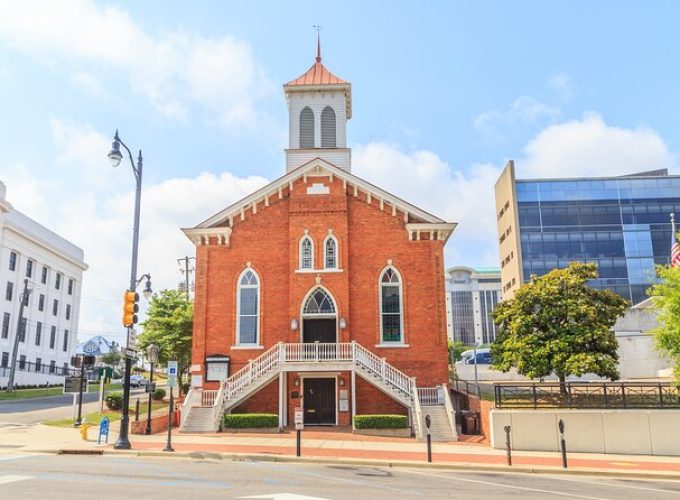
(318,330)
(319,401)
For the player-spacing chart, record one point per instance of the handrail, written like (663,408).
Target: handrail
(416,405)
(217,409)
(384,370)
(450,412)
(187,404)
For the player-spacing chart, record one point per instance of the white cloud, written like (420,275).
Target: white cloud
(523,110)
(90,84)
(174,70)
(561,84)
(590,147)
(427,181)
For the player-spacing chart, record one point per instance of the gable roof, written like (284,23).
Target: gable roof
(318,167)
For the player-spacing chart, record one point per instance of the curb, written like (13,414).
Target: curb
(403,464)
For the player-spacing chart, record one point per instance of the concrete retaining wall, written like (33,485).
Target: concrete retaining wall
(32,378)
(632,432)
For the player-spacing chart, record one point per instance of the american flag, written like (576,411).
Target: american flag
(675,246)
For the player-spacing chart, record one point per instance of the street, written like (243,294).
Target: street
(36,410)
(206,475)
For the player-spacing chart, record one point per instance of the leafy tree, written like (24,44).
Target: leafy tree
(456,348)
(169,325)
(667,301)
(112,358)
(557,324)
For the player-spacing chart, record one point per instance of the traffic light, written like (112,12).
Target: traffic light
(130,308)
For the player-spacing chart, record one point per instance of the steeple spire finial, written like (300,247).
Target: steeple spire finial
(318,42)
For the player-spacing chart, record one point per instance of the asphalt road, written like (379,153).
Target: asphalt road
(35,410)
(208,476)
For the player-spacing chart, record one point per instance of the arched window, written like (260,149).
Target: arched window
(307,128)
(319,302)
(391,307)
(330,252)
(248,306)
(306,253)
(328,139)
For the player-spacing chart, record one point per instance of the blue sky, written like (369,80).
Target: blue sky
(443,94)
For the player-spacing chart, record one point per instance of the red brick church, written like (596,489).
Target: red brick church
(319,290)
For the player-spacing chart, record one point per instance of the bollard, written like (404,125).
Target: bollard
(507,444)
(563,444)
(428,421)
(168,445)
(298,443)
(83,431)
(137,411)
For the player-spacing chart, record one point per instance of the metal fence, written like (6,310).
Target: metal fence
(582,395)
(467,386)
(43,368)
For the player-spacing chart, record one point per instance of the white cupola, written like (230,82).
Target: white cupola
(319,105)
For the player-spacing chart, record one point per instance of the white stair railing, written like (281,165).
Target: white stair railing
(418,412)
(430,396)
(264,365)
(386,372)
(450,412)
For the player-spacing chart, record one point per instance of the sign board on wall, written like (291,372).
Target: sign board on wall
(344,405)
(196,380)
(217,368)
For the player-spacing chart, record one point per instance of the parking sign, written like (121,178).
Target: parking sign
(172,373)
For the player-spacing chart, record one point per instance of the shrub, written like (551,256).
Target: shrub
(251,420)
(114,400)
(158,394)
(380,421)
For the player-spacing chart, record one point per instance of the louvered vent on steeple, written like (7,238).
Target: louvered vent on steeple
(328,136)
(307,128)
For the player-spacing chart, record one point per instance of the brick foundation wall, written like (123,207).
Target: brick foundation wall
(484,409)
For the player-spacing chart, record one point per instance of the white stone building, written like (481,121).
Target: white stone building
(471,297)
(54,269)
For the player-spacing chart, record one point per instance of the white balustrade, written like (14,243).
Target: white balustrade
(208,397)
(430,396)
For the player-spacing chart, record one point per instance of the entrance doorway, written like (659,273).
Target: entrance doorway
(319,401)
(319,318)
(318,330)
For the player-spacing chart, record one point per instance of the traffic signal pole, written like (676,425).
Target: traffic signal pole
(123,443)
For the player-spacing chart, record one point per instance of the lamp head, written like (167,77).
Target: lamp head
(152,353)
(148,292)
(115,155)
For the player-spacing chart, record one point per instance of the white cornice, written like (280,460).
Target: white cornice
(439,231)
(201,236)
(38,241)
(318,166)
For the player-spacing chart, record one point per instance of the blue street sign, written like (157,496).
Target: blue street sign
(103,430)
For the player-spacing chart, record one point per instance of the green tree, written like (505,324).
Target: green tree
(557,324)
(456,348)
(169,325)
(112,358)
(667,301)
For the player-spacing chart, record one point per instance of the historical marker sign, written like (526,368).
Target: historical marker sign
(150,387)
(72,384)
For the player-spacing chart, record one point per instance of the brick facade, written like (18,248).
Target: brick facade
(371,235)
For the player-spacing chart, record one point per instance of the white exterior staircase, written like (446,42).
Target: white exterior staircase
(202,410)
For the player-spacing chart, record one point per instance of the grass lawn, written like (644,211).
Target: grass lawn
(95,417)
(31,393)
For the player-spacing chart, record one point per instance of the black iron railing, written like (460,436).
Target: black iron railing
(582,395)
(467,386)
(46,369)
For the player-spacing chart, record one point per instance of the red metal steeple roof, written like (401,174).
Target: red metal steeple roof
(317,74)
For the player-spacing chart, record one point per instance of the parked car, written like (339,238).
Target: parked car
(483,357)
(137,381)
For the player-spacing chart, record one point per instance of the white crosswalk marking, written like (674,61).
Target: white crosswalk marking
(13,479)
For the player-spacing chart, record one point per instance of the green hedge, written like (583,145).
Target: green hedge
(251,420)
(380,421)
(158,394)
(114,400)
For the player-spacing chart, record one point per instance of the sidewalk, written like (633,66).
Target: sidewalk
(341,447)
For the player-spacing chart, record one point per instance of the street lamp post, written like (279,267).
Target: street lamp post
(123,443)
(152,357)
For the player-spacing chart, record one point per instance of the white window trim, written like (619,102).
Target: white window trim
(311,241)
(318,271)
(401,341)
(337,253)
(392,345)
(238,343)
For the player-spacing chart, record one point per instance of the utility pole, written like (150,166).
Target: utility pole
(19,333)
(186,271)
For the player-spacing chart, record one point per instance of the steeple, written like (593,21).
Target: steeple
(319,105)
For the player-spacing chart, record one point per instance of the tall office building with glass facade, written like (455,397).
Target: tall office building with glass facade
(471,297)
(622,224)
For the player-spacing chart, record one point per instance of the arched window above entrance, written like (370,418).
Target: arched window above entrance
(319,302)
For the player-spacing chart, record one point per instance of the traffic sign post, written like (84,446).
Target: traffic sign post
(299,425)
(172,380)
